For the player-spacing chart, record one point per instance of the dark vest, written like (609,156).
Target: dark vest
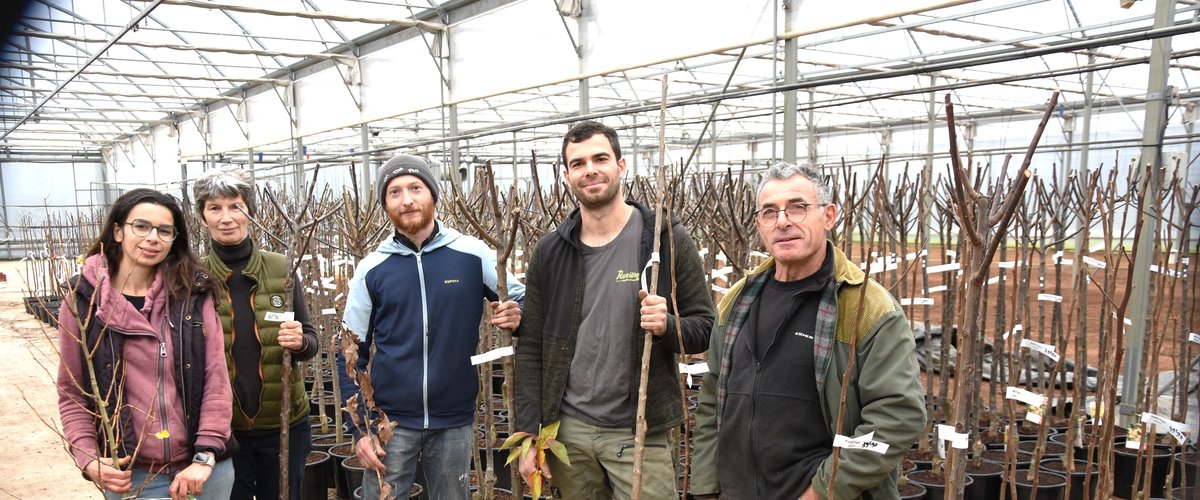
(108,347)
(268,270)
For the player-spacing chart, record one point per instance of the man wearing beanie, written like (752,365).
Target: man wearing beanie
(416,300)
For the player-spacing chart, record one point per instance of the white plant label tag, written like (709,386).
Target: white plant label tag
(957,439)
(1177,429)
(1008,264)
(953,266)
(918,301)
(693,370)
(936,289)
(1133,445)
(1194,337)
(280,316)
(329,311)
(1016,328)
(491,355)
(1049,297)
(1096,263)
(1046,350)
(864,442)
(994,280)
(1024,396)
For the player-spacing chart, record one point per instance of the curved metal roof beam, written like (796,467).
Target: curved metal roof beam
(407,23)
(329,22)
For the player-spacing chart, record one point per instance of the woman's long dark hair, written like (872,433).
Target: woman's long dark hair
(181,268)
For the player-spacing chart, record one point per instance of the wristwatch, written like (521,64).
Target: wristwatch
(204,458)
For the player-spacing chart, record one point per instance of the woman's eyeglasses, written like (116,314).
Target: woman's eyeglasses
(142,228)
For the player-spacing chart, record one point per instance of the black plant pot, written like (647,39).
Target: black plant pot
(1050,486)
(1078,477)
(316,476)
(1187,466)
(339,454)
(1125,468)
(352,473)
(987,478)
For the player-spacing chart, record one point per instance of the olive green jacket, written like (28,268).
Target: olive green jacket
(269,270)
(884,396)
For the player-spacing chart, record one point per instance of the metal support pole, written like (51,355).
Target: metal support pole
(455,154)
(1151,182)
(8,234)
(364,170)
(634,154)
(713,135)
(298,168)
(927,170)
(790,104)
(250,160)
(812,130)
(584,96)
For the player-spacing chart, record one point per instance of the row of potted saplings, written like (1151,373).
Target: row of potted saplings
(994,476)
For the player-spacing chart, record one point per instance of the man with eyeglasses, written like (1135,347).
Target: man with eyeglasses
(765,426)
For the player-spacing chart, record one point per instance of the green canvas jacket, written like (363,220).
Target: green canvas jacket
(885,394)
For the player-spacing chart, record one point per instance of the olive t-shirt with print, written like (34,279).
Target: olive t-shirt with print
(598,385)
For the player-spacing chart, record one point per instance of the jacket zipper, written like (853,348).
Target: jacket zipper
(162,403)
(424,344)
(621,450)
(754,446)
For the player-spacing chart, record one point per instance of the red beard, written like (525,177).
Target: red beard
(409,225)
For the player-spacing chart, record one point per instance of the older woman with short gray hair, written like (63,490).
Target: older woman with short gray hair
(250,284)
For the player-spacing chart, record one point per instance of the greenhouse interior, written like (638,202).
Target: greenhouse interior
(1021,177)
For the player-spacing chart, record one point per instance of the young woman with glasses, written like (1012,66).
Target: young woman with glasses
(143,389)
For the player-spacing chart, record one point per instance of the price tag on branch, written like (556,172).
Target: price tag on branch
(1036,402)
(328,311)
(1046,350)
(865,442)
(1096,263)
(1194,338)
(491,355)
(956,439)
(1177,429)
(280,316)
(1048,297)
(917,301)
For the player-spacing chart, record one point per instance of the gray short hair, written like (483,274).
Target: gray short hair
(224,182)
(784,170)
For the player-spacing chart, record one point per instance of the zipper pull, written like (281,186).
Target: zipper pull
(162,349)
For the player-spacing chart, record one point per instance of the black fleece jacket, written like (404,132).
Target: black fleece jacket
(550,322)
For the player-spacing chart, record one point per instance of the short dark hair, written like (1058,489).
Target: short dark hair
(181,269)
(582,131)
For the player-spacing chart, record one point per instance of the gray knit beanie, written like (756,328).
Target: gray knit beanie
(405,165)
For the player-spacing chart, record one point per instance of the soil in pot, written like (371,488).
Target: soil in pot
(988,478)
(934,483)
(316,475)
(1001,457)
(1057,466)
(922,459)
(1050,486)
(1051,449)
(912,491)
(1125,468)
(907,466)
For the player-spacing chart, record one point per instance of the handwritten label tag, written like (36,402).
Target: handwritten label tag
(1024,396)
(957,440)
(936,289)
(1096,263)
(919,301)
(491,355)
(1046,350)
(1194,337)
(329,311)
(1049,297)
(864,442)
(280,316)
(953,266)
(1177,429)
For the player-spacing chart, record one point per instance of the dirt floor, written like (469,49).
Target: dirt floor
(33,461)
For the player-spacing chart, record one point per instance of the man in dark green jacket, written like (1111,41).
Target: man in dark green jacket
(768,410)
(578,359)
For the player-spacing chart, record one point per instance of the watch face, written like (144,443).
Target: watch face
(203,458)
